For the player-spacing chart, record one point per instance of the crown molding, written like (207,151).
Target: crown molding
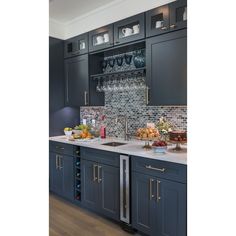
(101,16)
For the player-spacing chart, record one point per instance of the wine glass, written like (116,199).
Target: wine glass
(104,65)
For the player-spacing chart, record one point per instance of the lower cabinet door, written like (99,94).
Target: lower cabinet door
(109,185)
(55,174)
(67,167)
(143,202)
(89,184)
(171,215)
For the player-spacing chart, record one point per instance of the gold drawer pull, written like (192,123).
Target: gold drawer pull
(153,168)
(150,189)
(158,191)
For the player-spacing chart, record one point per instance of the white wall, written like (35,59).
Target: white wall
(110,13)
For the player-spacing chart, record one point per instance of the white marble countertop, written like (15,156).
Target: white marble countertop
(133,147)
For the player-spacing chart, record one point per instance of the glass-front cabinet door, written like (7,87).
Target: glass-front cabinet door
(76,46)
(178,15)
(129,29)
(157,21)
(101,38)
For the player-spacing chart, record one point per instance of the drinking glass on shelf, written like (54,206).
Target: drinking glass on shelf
(119,60)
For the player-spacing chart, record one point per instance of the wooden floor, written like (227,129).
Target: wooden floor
(65,219)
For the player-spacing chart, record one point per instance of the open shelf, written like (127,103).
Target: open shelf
(120,73)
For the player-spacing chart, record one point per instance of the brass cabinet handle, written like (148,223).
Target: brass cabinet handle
(99,179)
(154,168)
(94,174)
(57,162)
(173,26)
(158,191)
(58,147)
(60,162)
(150,189)
(67,89)
(85,98)
(147,95)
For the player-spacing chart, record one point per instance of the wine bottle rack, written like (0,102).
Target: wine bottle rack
(77,178)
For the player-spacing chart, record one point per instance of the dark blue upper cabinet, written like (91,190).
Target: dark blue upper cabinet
(178,15)
(129,29)
(166,59)
(157,21)
(101,38)
(76,46)
(77,81)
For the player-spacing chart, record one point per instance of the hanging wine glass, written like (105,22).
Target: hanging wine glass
(104,65)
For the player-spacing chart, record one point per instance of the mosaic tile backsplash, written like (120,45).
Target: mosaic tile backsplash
(131,104)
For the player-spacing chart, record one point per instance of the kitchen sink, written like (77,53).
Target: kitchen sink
(114,144)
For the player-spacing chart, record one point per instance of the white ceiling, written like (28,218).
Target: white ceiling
(64,11)
(68,18)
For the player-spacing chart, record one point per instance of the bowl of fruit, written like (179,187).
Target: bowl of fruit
(78,129)
(68,131)
(159,147)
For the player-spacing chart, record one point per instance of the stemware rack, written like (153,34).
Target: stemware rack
(120,74)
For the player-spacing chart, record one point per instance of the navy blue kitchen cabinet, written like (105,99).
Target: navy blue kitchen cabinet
(55,174)
(109,184)
(129,29)
(76,46)
(158,206)
(77,81)
(142,204)
(100,182)
(101,38)
(166,59)
(166,18)
(61,170)
(170,208)
(89,184)
(178,15)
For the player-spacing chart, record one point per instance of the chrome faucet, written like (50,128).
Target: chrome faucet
(127,135)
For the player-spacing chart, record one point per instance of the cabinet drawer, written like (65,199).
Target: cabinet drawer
(163,169)
(61,148)
(109,158)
